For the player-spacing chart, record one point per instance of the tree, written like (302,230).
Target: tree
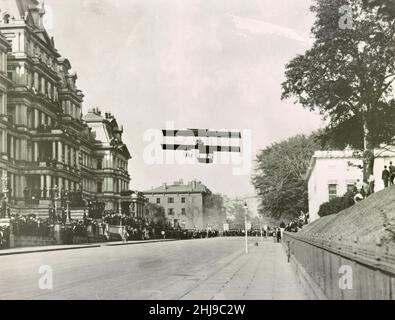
(279,176)
(347,75)
(214,210)
(157,213)
(237,216)
(386,8)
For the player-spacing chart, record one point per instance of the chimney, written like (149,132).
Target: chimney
(193,184)
(165,186)
(179,182)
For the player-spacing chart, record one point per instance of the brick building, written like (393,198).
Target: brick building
(183,203)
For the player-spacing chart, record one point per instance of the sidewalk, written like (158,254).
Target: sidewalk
(263,274)
(25,250)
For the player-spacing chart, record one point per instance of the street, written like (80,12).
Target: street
(214,268)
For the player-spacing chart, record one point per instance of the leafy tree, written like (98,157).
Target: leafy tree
(347,75)
(214,210)
(157,213)
(386,8)
(213,201)
(279,176)
(237,216)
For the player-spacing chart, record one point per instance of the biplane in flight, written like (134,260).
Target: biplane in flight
(205,142)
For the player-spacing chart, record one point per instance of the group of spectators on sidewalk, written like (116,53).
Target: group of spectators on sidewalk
(137,228)
(30,226)
(4,237)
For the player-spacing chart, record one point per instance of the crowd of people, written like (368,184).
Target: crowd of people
(133,228)
(4,237)
(388,175)
(364,188)
(30,226)
(294,225)
(241,233)
(137,228)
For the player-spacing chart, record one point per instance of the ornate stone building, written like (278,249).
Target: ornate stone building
(48,148)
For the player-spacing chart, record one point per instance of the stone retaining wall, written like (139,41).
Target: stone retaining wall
(343,270)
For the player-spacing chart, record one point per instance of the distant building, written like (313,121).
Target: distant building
(252,202)
(183,203)
(332,173)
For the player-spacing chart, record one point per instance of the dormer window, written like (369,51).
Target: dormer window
(6,19)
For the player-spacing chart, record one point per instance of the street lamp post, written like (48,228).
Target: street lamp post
(245,226)
(260,224)
(68,220)
(55,202)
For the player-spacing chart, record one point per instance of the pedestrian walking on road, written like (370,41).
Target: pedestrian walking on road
(278,234)
(385,176)
(125,236)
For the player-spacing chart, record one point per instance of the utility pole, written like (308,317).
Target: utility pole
(245,226)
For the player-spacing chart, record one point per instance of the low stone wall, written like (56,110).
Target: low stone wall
(89,239)
(29,241)
(343,270)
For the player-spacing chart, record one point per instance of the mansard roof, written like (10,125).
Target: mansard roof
(107,130)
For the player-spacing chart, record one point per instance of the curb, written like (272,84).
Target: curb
(86,246)
(82,246)
(49,250)
(135,242)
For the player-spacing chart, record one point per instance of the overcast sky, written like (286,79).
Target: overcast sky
(198,63)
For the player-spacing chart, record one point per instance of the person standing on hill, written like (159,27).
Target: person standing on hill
(385,176)
(371,184)
(392,174)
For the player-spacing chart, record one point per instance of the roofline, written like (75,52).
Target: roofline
(310,168)
(172,192)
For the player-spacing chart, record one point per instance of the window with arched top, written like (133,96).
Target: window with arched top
(6,18)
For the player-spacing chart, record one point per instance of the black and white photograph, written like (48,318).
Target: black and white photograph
(197,150)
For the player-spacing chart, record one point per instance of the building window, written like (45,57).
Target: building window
(6,19)
(170,212)
(182,200)
(183,211)
(332,188)
(99,187)
(170,200)
(99,164)
(158,200)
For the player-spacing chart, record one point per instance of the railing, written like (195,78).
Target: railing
(322,258)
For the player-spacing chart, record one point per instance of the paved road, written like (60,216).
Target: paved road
(195,269)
